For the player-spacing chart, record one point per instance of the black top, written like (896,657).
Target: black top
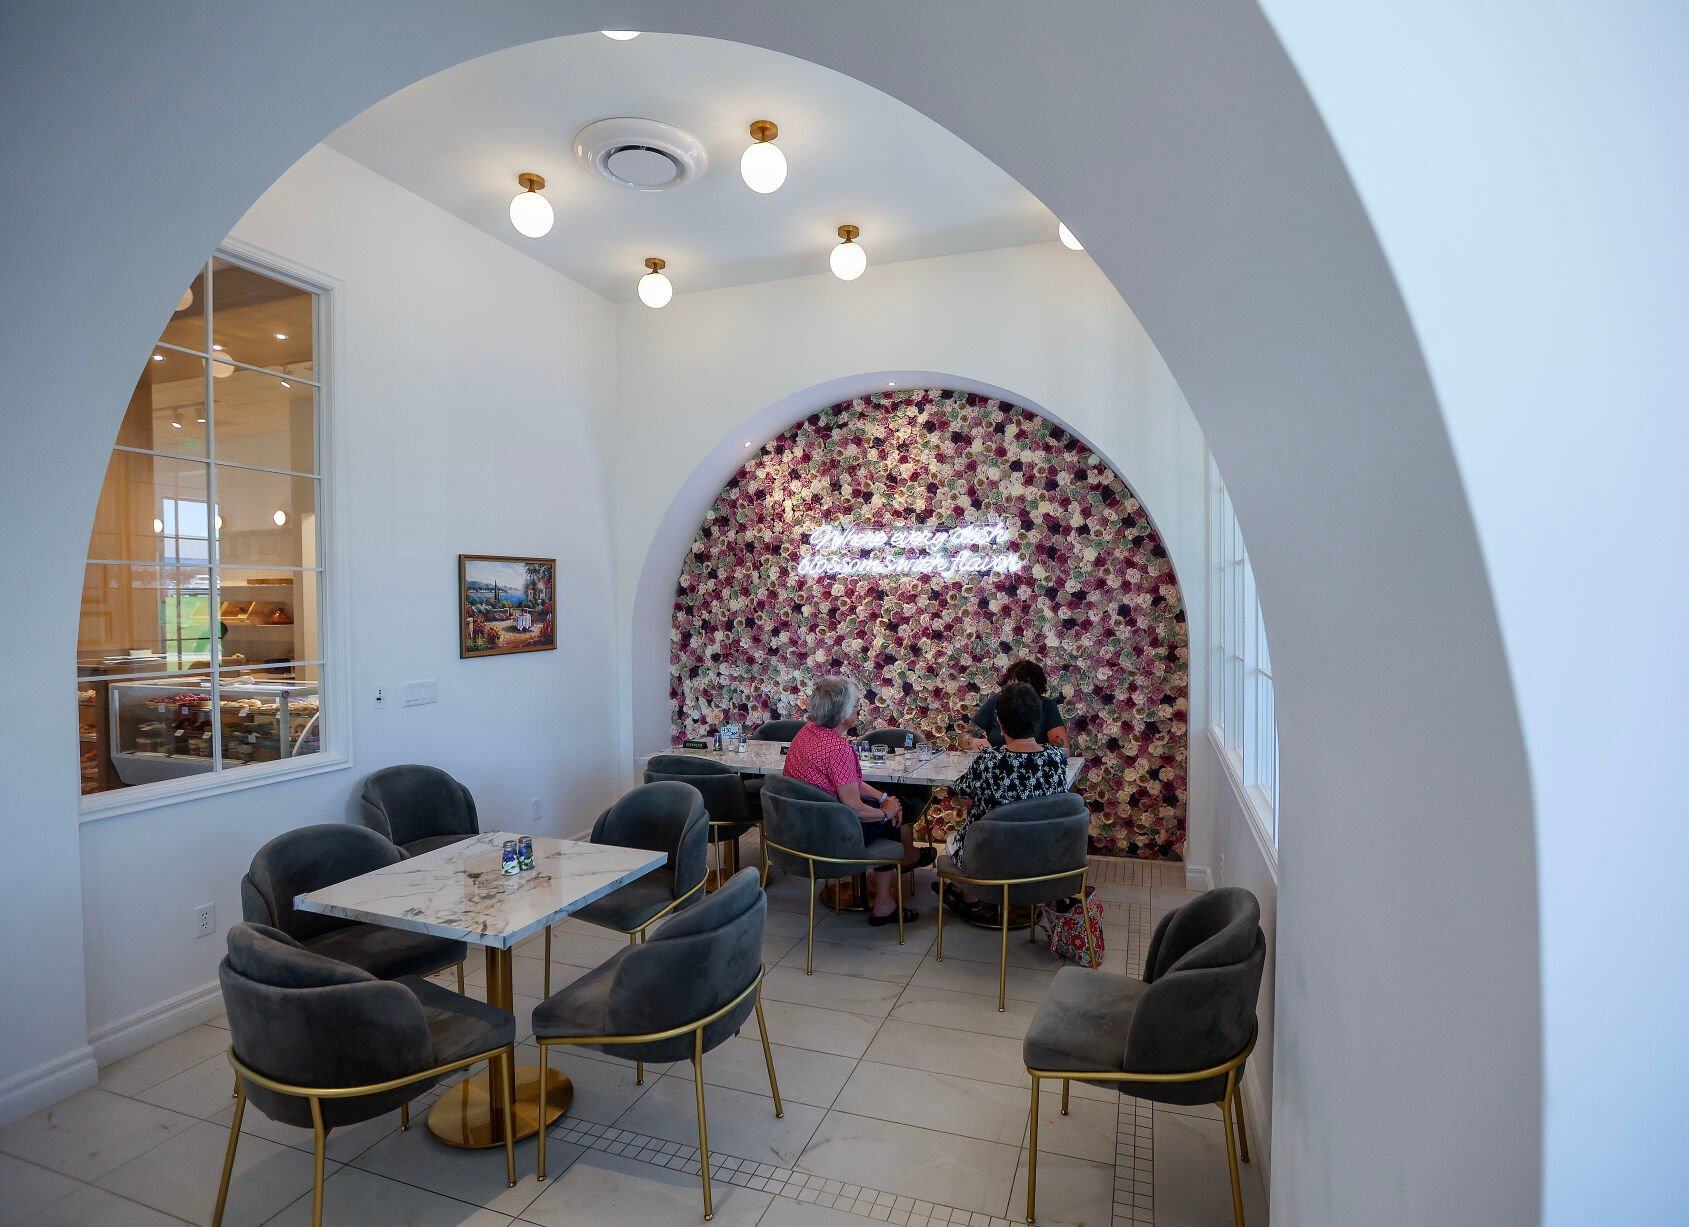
(985,720)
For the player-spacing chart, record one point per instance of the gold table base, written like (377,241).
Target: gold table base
(466,1116)
(471,1112)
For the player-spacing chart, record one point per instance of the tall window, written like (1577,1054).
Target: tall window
(1242,685)
(200,648)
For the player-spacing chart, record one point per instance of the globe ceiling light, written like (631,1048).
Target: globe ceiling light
(655,290)
(763,166)
(848,259)
(1067,239)
(185,301)
(530,212)
(621,36)
(221,366)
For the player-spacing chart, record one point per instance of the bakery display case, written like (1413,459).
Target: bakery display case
(163,729)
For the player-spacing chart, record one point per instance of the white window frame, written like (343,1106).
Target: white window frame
(334,662)
(1242,706)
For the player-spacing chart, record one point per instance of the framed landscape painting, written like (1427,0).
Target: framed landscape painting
(506,604)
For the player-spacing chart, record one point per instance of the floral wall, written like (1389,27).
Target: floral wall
(1073,575)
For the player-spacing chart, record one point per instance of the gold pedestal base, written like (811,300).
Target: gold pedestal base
(466,1117)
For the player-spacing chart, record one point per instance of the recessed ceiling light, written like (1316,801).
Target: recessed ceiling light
(284,383)
(280,518)
(281,336)
(621,36)
(158,357)
(1067,239)
(747,442)
(199,419)
(530,212)
(177,425)
(763,166)
(157,525)
(848,259)
(892,384)
(655,290)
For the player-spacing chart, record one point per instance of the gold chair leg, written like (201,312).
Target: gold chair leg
(1032,1158)
(506,1066)
(809,951)
(1003,958)
(897,872)
(547,972)
(545,1077)
(1085,919)
(229,1157)
(319,1145)
(941,920)
(639,1073)
(404,1116)
(703,1126)
(460,978)
(768,1056)
(1242,1133)
(1231,1149)
(1066,1083)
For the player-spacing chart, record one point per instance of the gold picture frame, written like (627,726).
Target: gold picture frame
(507,603)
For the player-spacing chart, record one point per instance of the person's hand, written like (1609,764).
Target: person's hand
(970,742)
(893,810)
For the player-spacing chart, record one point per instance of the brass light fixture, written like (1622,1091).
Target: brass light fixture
(848,259)
(530,212)
(655,289)
(762,166)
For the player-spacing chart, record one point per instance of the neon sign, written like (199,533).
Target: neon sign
(943,553)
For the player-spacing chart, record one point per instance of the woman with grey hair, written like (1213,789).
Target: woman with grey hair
(822,755)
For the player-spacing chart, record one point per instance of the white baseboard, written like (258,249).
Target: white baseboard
(1260,1130)
(47,1083)
(144,1028)
(1198,877)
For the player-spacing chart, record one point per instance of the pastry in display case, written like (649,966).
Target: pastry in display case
(163,729)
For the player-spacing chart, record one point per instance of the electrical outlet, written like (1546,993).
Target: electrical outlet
(380,698)
(205,920)
(534,809)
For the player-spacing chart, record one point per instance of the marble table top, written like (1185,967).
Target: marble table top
(900,767)
(459,892)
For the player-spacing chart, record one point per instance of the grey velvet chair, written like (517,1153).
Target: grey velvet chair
(667,816)
(802,825)
(723,791)
(1026,852)
(769,730)
(1180,1035)
(419,808)
(309,858)
(317,1043)
(677,996)
(916,798)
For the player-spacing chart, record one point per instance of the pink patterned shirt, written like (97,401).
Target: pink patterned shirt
(824,758)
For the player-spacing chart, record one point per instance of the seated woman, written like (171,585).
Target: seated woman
(822,755)
(1048,729)
(1016,770)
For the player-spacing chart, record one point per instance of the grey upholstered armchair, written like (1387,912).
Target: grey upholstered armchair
(318,1043)
(724,798)
(676,997)
(1026,852)
(310,858)
(667,816)
(1180,1035)
(804,826)
(419,808)
(769,730)
(916,798)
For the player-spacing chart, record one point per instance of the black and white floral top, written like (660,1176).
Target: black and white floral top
(998,776)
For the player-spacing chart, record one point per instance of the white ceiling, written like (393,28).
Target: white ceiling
(460,138)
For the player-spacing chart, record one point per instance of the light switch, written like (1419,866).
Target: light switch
(417,694)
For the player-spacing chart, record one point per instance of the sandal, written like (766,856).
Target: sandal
(909,917)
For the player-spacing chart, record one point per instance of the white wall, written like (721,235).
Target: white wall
(468,384)
(1039,325)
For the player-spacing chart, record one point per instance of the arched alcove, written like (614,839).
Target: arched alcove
(1078,579)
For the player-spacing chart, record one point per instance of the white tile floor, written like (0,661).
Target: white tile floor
(904,1093)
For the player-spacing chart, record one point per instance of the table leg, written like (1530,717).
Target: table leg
(471,1112)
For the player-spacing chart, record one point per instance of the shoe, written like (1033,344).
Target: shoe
(890,918)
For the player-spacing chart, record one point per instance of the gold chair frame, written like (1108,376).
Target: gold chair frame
(809,860)
(635,935)
(720,845)
(1003,952)
(697,1029)
(1230,1104)
(504,1054)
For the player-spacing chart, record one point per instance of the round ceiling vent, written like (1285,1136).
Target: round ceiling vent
(641,153)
